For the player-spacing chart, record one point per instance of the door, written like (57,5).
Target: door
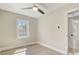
(73,35)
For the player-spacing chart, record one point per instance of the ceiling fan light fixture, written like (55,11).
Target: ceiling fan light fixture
(35,8)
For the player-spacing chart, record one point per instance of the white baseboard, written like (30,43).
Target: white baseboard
(50,47)
(15,46)
(53,48)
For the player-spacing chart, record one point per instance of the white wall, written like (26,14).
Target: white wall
(49,34)
(8,29)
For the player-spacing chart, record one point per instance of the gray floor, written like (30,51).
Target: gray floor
(32,50)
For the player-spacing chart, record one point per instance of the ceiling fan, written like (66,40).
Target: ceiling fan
(35,8)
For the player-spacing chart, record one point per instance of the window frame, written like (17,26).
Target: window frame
(27,27)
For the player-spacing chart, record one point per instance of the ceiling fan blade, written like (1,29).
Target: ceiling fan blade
(41,11)
(27,8)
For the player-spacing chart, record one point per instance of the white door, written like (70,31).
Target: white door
(73,33)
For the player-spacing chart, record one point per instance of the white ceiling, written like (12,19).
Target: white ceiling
(16,7)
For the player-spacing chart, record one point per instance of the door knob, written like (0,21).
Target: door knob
(72,35)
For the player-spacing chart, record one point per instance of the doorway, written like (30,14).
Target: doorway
(73,32)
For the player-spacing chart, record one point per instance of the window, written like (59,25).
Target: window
(22,28)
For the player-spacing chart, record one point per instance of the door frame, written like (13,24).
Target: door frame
(66,23)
